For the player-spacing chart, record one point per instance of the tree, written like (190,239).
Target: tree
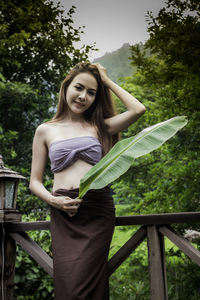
(174,81)
(37,42)
(174,34)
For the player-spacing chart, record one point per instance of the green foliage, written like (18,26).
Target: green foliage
(31,281)
(22,109)
(37,42)
(183,277)
(174,34)
(8,139)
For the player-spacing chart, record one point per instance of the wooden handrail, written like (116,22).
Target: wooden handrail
(154,228)
(27,226)
(154,219)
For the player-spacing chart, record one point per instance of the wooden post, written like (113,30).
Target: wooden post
(7,265)
(157,270)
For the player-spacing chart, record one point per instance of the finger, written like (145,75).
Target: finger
(99,66)
(73,201)
(71,214)
(71,208)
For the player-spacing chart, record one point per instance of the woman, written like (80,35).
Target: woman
(83,129)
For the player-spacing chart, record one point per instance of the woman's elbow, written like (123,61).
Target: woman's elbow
(32,185)
(141,110)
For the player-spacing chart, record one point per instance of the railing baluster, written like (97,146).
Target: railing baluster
(158,281)
(34,250)
(182,243)
(118,258)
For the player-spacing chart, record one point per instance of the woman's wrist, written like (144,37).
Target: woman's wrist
(52,200)
(108,82)
(111,85)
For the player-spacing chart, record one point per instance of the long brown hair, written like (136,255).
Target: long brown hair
(102,108)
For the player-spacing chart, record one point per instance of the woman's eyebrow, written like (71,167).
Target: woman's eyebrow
(91,89)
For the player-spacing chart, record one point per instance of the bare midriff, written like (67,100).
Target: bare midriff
(69,178)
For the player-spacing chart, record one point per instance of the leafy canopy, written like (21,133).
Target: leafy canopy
(37,42)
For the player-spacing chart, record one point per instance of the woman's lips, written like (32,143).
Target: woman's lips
(79,104)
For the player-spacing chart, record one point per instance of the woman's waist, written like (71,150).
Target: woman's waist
(69,178)
(99,197)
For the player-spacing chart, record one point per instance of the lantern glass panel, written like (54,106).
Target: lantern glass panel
(9,194)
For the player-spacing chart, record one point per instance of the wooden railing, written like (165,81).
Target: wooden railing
(153,227)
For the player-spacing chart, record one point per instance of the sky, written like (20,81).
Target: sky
(111,23)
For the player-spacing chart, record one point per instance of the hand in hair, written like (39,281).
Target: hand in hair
(103,73)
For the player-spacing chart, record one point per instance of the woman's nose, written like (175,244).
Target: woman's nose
(82,95)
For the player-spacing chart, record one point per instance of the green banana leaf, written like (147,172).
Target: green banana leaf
(120,158)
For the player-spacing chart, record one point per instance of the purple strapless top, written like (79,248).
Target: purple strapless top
(64,152)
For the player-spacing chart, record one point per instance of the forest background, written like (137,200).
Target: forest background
(37,49)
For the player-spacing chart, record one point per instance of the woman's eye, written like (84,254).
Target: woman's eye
(80,88)
(92,93)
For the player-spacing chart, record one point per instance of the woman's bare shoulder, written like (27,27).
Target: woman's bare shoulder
(43,130)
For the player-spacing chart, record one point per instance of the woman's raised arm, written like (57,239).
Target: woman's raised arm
(135,109)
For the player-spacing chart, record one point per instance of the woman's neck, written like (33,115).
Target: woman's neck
(73,118)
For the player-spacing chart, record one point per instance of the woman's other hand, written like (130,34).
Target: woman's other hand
(66,204)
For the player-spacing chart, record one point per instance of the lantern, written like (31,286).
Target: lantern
(9,181)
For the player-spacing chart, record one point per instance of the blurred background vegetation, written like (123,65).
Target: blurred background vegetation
(37,49)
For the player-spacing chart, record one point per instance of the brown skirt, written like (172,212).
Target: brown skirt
(81,245)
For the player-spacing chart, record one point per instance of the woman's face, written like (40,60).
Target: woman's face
(81,93)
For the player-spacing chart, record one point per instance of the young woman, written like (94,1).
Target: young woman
(83,129)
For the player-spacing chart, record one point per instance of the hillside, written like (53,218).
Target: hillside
(117,63)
